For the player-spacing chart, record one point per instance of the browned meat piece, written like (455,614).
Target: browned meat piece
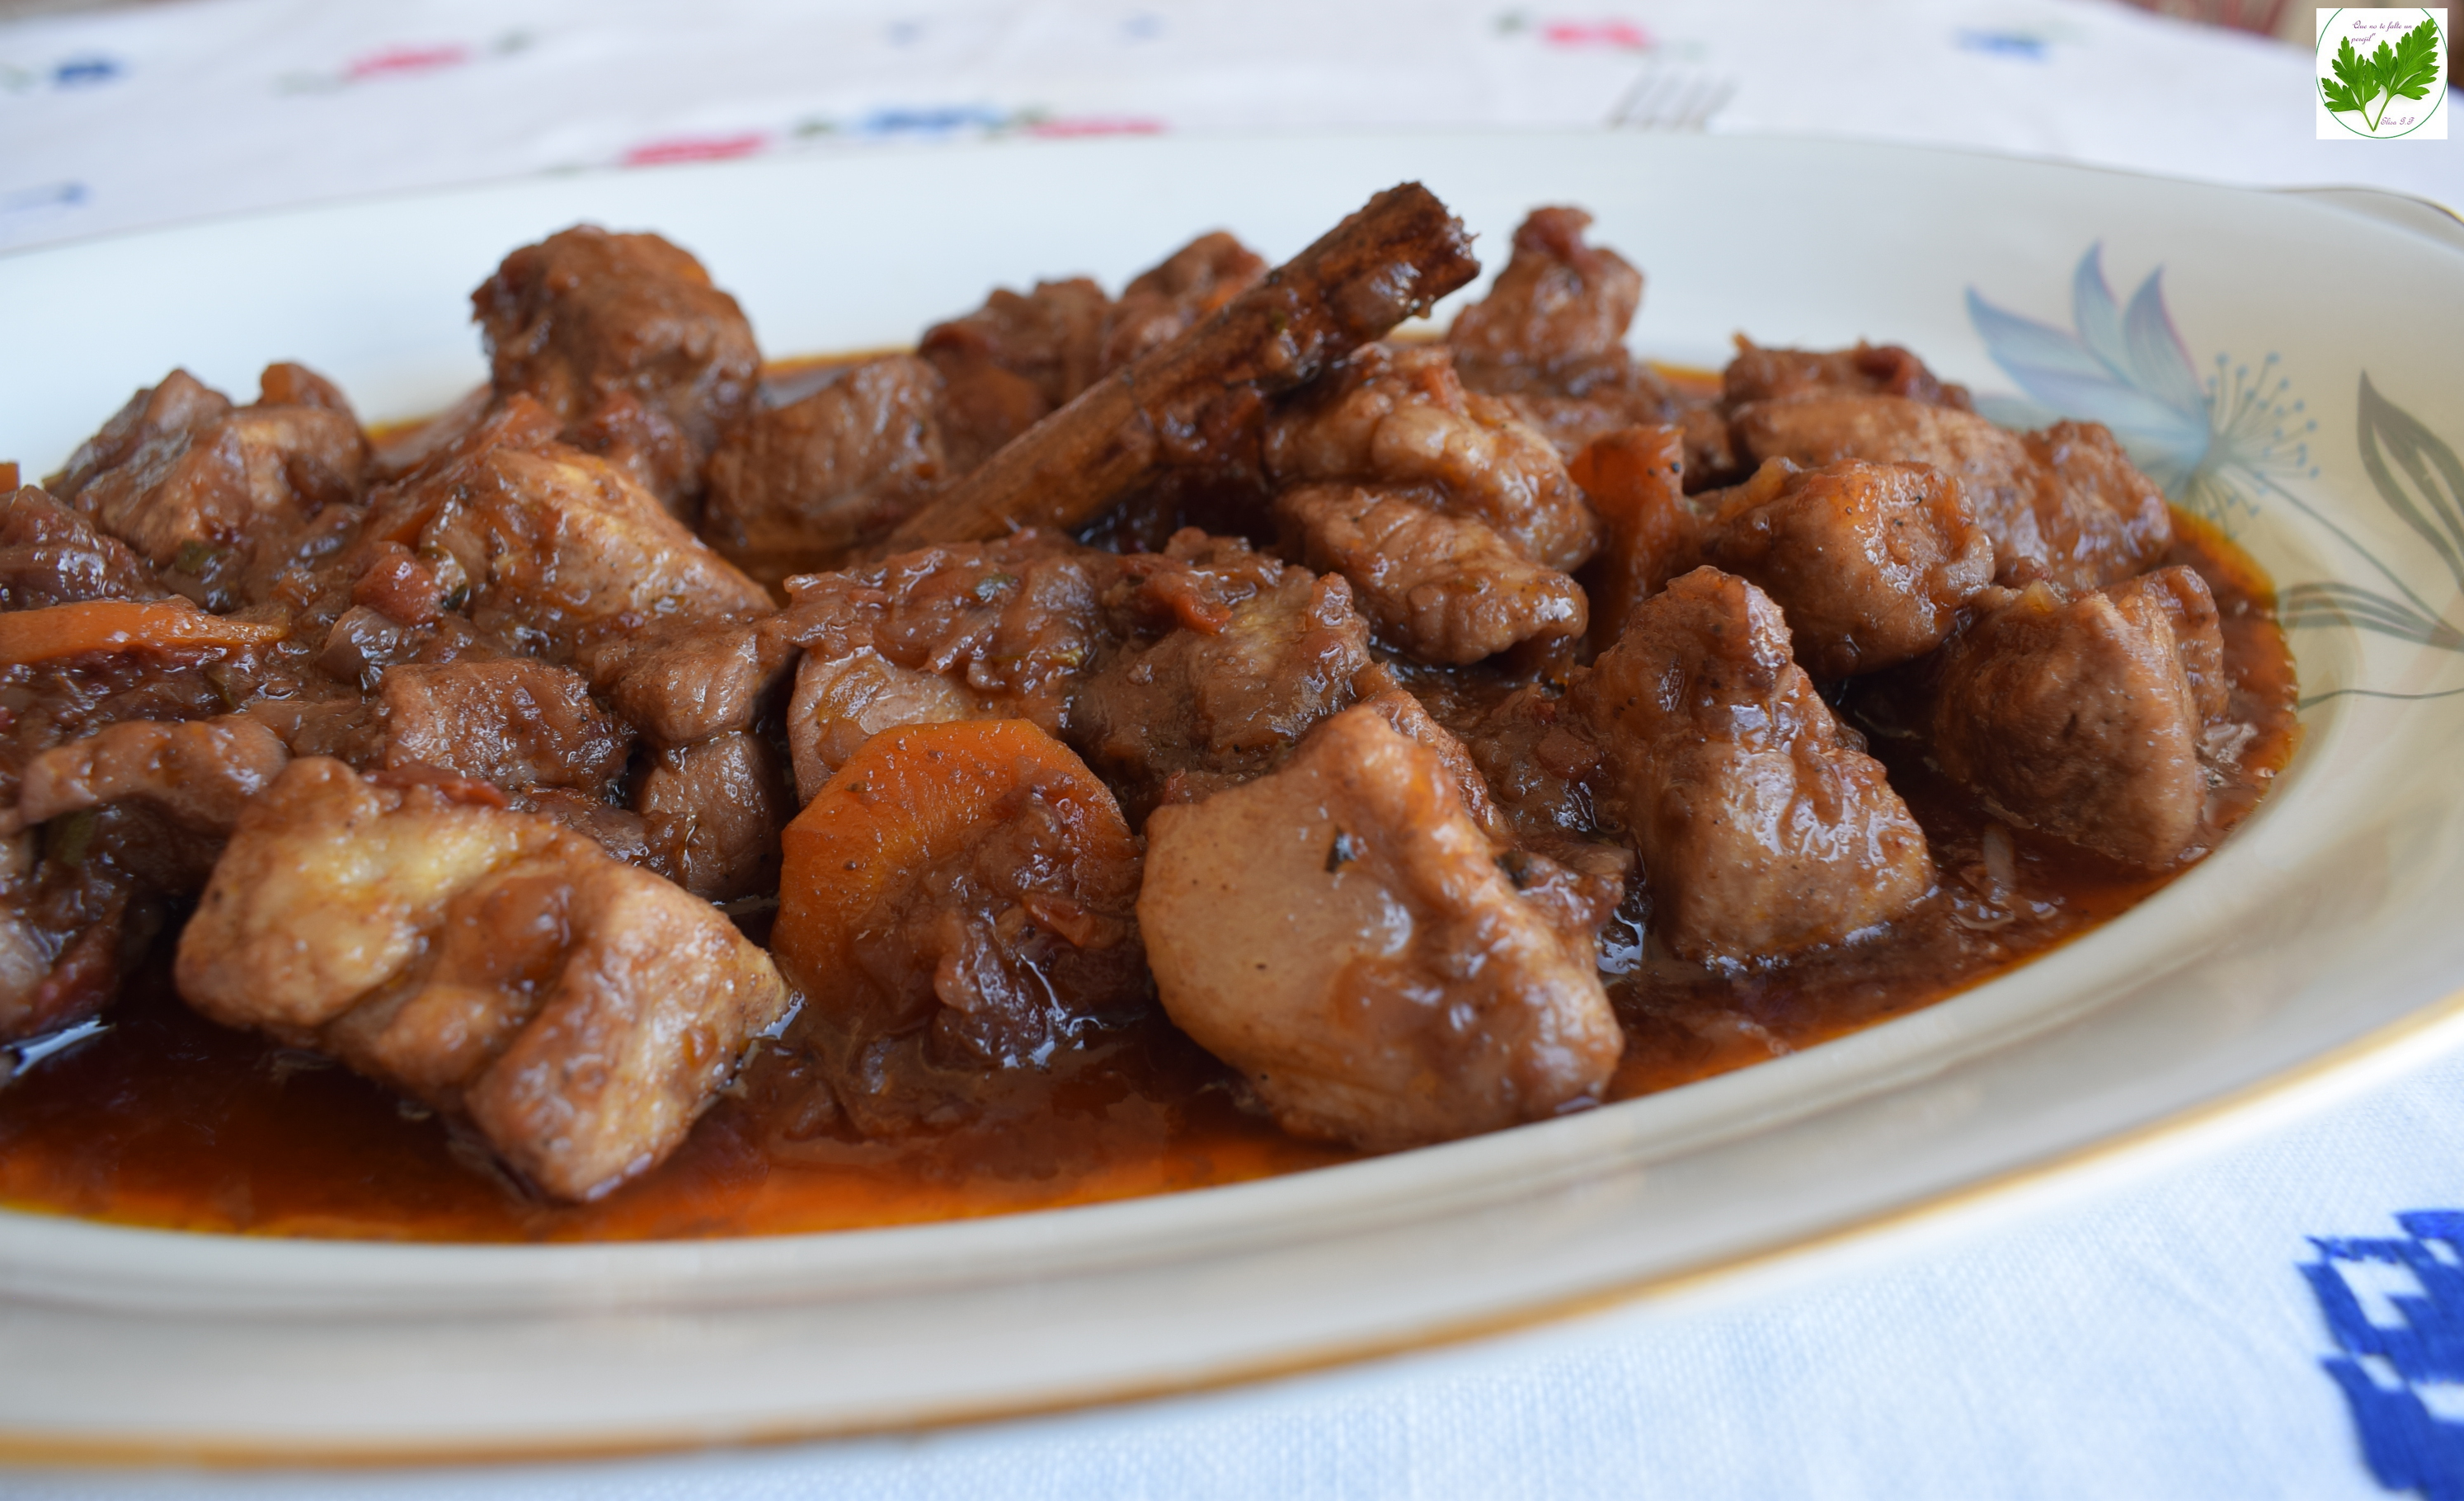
(1559,306)
(2189,611)
(117,755)
(1341,932)
(969,631)
(1712,457)
(50,555)
(1259,656)
(1197,400)
(1412,721)
(1543,764)
(284,384)
(2065,504)
(1760,374)
(685,684)
(1167,301)
(210,495)
(1399,417)
(1572,423)
(1635,481)
(1869,561)
(1762,829)
(198,774)
(2080,717)
(2100,519)
(581,1012)
(712,814)
(549,548)
(794,489)
(72,921)
(629,346)
(1445,589)
(518,725)
(844,700)
(1014,359)
(1549,338)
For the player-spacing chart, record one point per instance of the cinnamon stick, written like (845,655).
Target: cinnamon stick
(1386,263)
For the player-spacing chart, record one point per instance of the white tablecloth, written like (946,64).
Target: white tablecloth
(2280,1315)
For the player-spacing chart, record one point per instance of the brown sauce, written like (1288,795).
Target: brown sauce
(166,1119)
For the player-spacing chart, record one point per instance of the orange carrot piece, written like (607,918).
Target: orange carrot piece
(1634,479)
(909,798)
(160,626)
(7,476)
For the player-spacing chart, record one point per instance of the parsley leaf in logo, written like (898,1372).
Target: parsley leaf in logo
(2412,67)
(2356,84)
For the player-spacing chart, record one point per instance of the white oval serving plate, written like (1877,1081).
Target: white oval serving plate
(2293,373)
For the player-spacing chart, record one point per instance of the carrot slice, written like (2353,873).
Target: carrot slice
(907,800)
(163,625)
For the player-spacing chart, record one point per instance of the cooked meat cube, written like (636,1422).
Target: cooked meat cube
(557,548)
(1635,481)
(712,814)
(1412,720)
(520,725)
(1196,401)
(581,1012)
(1445,589)
(198,774)
(203,490)
(1559,304)
(50,555)
(1760,374)
(1869,561)
(2189,610)
(629,346)
(71,923)
(795,489)
(1537,749)
(1341,933)
(683,684)
(973,630)
(1712,456)
(843,700)
(1012,360)
(1762,829)
(1167,301)
(2065,504)
(2100,519)
(1549,339)
(2080,717)
(972,880)
(1572,423)
(1400,418)
(618,830)
(1220,696)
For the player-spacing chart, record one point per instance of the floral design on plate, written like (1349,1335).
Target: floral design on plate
(2225,445)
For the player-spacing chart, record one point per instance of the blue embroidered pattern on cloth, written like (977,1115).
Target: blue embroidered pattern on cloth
(2403,1370)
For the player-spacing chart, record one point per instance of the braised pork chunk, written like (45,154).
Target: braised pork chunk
(2082,717)
(579,1011)
(1763,828)
(626,345)
(1869,561)
(1341,932)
